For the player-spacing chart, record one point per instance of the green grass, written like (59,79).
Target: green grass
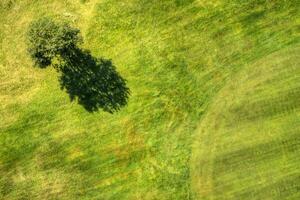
(189,64)
(248,143)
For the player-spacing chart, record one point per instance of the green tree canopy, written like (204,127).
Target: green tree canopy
(47,39)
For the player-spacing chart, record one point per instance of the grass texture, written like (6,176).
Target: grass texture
(213,111)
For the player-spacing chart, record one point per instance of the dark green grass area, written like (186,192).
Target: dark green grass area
(176,56)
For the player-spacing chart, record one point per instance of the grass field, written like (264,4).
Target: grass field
(248,143)
(213,114)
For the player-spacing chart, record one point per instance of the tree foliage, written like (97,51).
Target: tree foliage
(47,39)
(93,82)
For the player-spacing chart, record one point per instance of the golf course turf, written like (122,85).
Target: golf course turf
(213,112)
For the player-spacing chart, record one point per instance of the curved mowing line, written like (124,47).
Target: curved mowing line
(202,160)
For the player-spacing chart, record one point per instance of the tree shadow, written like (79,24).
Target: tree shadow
(93,82)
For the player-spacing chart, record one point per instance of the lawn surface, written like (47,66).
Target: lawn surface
(213,113)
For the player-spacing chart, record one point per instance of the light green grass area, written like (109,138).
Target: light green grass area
(213,111)
(248,143)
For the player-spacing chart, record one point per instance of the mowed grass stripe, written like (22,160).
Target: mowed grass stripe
(252,144)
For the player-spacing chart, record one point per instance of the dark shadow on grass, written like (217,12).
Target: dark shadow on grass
(93,82)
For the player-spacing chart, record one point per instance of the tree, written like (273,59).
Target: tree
(48,39)
(93,82)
